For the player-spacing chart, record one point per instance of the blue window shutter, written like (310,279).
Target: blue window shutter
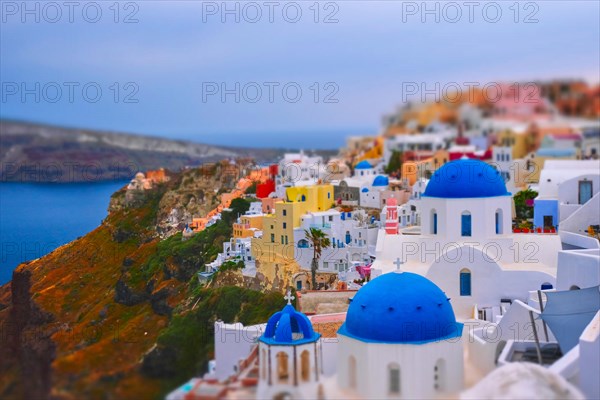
(465,283)
(466,225)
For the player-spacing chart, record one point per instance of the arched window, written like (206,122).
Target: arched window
(303,244)
(434,222)
(394,378)
(499,229)
(352,372)
(465,229)
(305,365)
(574,287)
(465,282)
(282,367)
(303,198)
(263,364)
(439,377)
(348,237)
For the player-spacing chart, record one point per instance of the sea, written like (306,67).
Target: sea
(36,218)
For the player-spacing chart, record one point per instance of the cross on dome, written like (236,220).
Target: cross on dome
(398,264)
(288,296)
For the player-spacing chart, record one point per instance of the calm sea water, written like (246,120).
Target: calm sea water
(37,218)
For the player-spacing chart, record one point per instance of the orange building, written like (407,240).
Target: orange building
(247,226)
(158,176)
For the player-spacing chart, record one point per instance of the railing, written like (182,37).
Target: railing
(321,226)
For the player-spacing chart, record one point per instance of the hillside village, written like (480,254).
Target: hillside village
(493,205)
(453,251)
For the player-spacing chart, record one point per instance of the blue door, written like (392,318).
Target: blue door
(585,191)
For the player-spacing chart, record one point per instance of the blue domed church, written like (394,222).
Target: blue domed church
(465,243)
(401,329)
(289,354)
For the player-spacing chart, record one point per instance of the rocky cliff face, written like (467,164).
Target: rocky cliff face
(119,312)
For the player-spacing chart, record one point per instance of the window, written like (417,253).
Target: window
(499,222)
(466,224)
(330,218)
(465,282)
(282,239)
(284,213)
(546,286)
(284,225)
(328,195)
(282,367)
(305,365)
(352,372)
(439,376)
(303,198)
(394,378)
(434,222)
(303,244)
(272,238)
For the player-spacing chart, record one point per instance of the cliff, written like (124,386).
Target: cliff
(31,152)
(119,313)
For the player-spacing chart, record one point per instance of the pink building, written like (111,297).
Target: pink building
(518,101)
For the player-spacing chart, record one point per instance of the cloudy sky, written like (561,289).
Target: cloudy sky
(280,73)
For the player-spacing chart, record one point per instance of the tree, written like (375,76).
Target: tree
(319,241)
(394,167)
(524,203)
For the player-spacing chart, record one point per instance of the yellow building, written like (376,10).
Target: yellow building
(247,226)
(521,142)
(274,252)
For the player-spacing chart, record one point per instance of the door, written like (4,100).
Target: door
(548,221)
(585,191)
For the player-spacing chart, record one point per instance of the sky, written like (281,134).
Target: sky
(278,74)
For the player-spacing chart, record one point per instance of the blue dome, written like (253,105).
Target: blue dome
(381,180)
(466,179)
(289,327)
(365,190)
(363,165)
(400,308)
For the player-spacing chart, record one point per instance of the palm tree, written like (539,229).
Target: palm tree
(319,242)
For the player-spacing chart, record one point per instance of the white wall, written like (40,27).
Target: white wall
(233,342)
(589,367)
(489,282)
(568,191)
(579,268)
(416,362)
(483,216)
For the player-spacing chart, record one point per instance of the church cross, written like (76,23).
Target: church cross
(288,296)
(398,264)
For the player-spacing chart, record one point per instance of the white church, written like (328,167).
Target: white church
(466,245)
(400,339)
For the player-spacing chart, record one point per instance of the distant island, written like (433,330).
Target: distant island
(32,152)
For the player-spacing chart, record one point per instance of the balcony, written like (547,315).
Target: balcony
(324,225)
